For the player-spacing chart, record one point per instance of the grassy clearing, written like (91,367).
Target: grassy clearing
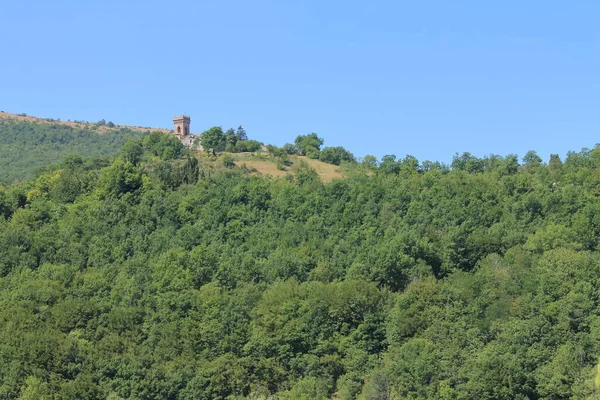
(262,162)
(265,164)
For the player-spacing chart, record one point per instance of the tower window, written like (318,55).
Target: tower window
(178,129)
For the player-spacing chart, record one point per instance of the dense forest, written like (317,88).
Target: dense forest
(27,146)
(148,275)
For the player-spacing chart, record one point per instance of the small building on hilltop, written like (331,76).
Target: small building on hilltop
(182,130)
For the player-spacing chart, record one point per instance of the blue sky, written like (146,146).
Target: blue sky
(426,78)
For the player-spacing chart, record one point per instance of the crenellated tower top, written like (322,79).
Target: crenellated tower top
(182,125)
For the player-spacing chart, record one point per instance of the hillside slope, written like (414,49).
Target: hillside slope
(158,276)
(29,143)
(102,127)
(261,163)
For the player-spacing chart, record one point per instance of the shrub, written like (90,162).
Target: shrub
(309,145)
(247,146)
(228,161)
(290,148)
(335,155)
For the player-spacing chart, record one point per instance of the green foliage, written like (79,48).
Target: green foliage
(228,161)
(26,147)
(233,141)
(369,162)
(166,147)
(276,151)
(467,162)
(389,165)
(335,155)
(308,145)
(120,178)
(531,159)
(34,389)
(173,174)
(153,276)
(132,151)
(241,134)
(230,139)
(308,388)
(214,140)
(291,149)
(247,146)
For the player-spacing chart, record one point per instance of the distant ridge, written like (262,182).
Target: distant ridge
(28,143)
(76,124)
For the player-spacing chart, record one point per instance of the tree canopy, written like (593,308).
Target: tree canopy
(214,140)
(27,146)
(309,145)
(149,275)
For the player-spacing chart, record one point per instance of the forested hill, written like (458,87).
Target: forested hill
(161,278)
(28,144)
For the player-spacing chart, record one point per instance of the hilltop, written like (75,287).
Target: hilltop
(99,126)
(29,143)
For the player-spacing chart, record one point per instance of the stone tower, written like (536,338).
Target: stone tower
(182,125)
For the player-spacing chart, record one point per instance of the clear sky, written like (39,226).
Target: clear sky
(426,78)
